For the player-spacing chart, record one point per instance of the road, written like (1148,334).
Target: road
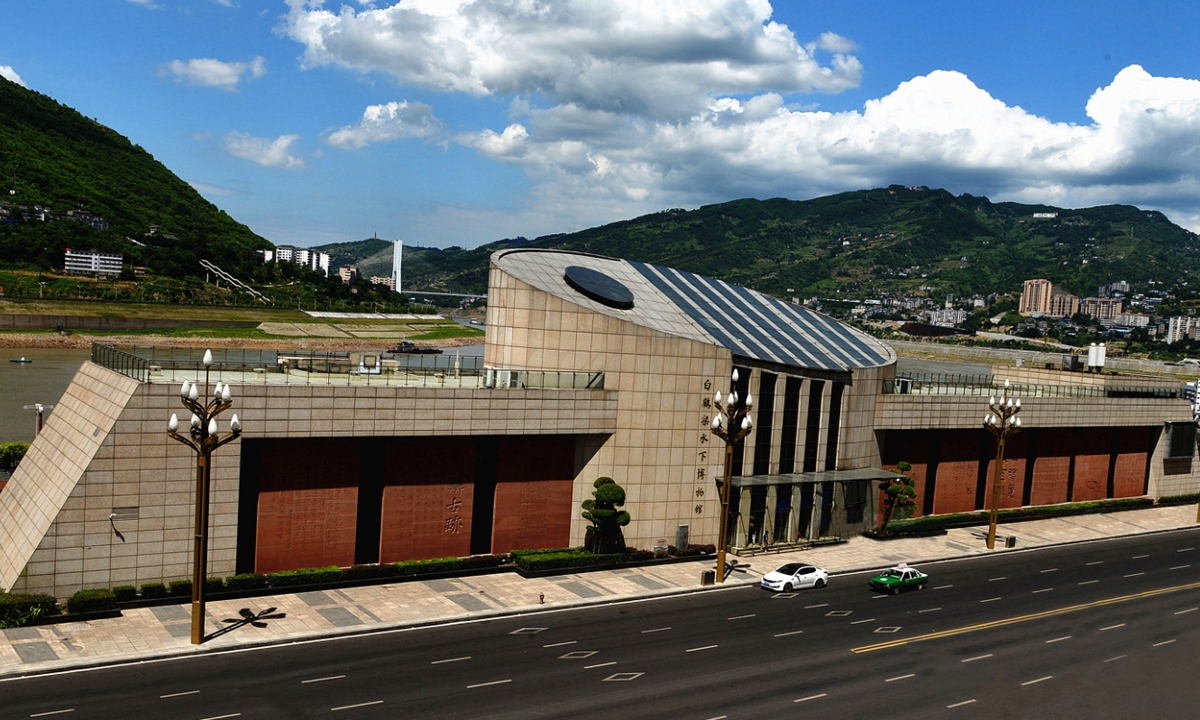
(1097,630)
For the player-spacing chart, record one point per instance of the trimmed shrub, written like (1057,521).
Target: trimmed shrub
(20,610)
(479,562)
(214,585)
(305,576)
(369,572)
(153,590)
(937,523)
(181,588)
(92,601)
(522,553)
(125,593)
(245,581)
(556,561)
(693,550)
(1179,499)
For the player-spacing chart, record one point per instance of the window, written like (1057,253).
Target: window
(1181,440)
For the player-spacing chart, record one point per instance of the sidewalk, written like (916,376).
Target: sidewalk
(164,631)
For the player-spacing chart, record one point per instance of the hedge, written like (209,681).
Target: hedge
(20,610)
(545,551)
(937,523)
(92,601)
(214,585)
(153,590)
(570,559)
(125,593)
(1179,499)
(245,581)
(369,572)
(305,576)
(181,588)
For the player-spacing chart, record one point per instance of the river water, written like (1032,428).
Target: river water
(42,381)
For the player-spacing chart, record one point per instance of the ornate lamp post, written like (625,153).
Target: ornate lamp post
(731,423)
(1002,421)
(202,437)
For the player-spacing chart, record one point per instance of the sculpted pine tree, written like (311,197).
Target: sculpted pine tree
(605,536)
(898,496)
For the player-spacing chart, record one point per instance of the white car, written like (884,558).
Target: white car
(794,576)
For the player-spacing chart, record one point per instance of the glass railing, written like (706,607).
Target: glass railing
(985,385)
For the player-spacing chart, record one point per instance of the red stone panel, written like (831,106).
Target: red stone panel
(913,446)
(957,472)
(307,504)
(535,477)
(428,497)
(1052,467)
(1129,476)
(1012,477)
(1091,447)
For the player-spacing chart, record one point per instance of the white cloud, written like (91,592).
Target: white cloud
(11,75)
(264,151)
(655,58)
(145,3)
(214,73)
(208,190)
(392,121)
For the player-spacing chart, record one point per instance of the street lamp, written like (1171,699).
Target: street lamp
(202,437)
(41,408)
(731,423)
(1002,421)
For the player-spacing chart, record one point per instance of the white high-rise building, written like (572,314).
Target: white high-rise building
(397,251)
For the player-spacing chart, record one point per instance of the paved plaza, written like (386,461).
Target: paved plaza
(164,630)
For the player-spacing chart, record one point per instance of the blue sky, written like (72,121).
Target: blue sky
(448,122)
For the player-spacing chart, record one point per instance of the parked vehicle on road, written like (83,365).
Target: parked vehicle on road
(794,576)
(901,577)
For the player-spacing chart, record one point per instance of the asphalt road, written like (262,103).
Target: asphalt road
(1100,630)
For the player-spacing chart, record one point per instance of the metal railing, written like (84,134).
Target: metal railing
(497,378)
(120,361)
(984,385)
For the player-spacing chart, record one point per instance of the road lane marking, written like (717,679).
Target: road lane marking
(706,647)
(943,587)
(1116,658)
(331,677)
(623,677)
(645,632)
(1064,637)
(1097,562)
(486,684)
(1179,567)
(1035,592)
(929,610)
(528,631)
(1112,627)
(178,694)
(978,657)
(857,622)
(351,707)
(232,715)
(1164,642)
(1181,612)
(589,667)
(1023,618)
(1185,549)
(1089,582)
(450,660)
(1034,682)
(960,704)
(578,655)
(811,697)
(810,607)
(990,600)
(901,677)
(560,644)
(786,634)
(741,617)
(1134,574)
(52,712)
(1139,557)
(719,717)
(1050,570)
(995,579)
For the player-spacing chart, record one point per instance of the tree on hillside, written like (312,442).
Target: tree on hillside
(605,536)
(898,496)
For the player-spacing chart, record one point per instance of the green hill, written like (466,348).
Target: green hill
(867,242)
(53,156)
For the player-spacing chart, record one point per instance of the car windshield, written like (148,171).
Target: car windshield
(891,573)
(789,569)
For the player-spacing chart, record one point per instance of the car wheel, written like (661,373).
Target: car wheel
(787,587)
(896,590)
(820,584)
(921,586)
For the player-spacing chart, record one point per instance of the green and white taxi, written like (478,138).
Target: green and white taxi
(901,577)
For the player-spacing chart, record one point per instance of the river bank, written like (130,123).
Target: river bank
(83,341)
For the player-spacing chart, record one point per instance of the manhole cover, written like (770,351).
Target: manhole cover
(784,595)
(622,677)
(528,631)
(578,655)
(887,630)
(838,613)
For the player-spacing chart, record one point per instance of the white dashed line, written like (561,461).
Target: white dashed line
(1116,658)
(348,707)
(812,607)
(943,587)
(53,712)
(1179,567)
(990,600)
(706,647)
(1134,574)
(331,677)
(1035,592)
(960,704)
(1139,557)
(233,715)
(178,694)
(1112,627)
(590,667)
(1033,682)
(1064,637)
(1164,642)
(786,634)
(486,684)
(1096,562)
(1185,549)
(929,610)
(859,622)
(1089,582)
(810,697)
(646,632)
(901,677)
(995,579)
(450,660)
(560,644)
(719,717)
(741,617)
(1050,570)
(1181,612)
(978,657)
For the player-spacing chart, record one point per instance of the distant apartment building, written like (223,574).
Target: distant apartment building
(85,217)
(1035,297)
(1133,320)
(1182,328)
(948,317)
(1042,297)
(1063,305)
(1101,308)
(390,282)
(92,263)
(348,274)
(311,259)
(284,253)
(1120,287)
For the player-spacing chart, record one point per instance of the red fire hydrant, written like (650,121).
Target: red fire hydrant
(541,598)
